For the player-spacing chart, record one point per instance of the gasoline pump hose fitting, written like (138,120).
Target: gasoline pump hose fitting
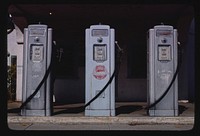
(172,81)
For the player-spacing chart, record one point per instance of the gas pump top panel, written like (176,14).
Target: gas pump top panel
(37,31)
(161,32)
(164,30)
(100,32)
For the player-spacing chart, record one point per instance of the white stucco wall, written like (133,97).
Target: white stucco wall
(15,48)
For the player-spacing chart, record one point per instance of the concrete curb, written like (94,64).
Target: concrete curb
(104,120)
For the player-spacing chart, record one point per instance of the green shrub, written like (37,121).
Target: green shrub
(11,82)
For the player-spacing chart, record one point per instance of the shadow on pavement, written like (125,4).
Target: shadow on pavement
(126,109)
(181,109)
(70,110)
(119,110)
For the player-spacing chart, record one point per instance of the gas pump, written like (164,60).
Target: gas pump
(100,66)
(162,67)
(37,58)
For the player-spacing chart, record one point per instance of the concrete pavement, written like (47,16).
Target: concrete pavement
(129,116)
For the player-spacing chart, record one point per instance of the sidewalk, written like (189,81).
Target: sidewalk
(129,116)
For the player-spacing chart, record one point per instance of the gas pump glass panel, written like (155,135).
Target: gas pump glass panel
(37,32)
(164,52)
(99,51)
(165,33)
(100,32)
(37,52)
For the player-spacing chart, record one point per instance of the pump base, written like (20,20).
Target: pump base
(99,112)
(163,113)
(26,112)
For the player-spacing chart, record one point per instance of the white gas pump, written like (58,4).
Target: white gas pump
(162,65)
(37,58)
(100,65)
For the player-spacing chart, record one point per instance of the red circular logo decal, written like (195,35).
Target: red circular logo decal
(100,72)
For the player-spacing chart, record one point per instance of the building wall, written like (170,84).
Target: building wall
(15,48)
